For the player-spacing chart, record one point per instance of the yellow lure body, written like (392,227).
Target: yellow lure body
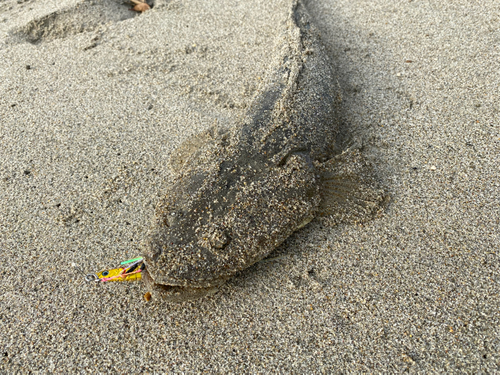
(114,275)
(130,271)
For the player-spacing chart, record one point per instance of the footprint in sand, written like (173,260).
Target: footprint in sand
(82,17)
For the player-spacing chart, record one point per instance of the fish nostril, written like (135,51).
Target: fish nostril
(153,253)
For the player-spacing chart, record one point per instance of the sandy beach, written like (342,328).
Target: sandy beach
(95,98)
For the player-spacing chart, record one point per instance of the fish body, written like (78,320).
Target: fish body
(241,192)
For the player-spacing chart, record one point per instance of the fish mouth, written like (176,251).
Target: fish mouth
(151,285)
(174,293)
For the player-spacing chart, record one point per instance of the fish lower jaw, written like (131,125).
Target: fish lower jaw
(175,293)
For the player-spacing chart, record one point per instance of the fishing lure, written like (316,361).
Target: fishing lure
(129,270)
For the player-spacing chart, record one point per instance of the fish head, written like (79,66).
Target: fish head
(213,224)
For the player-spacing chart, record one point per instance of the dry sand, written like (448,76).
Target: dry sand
(94,99)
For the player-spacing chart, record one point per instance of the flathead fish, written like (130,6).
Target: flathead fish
(241,192)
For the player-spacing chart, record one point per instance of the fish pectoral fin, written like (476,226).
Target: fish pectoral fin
(350,190)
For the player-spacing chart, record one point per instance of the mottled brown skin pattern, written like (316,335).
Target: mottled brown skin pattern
(246,190)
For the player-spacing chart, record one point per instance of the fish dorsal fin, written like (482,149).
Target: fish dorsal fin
(350,191)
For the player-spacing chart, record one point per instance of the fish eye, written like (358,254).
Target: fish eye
(105,273)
